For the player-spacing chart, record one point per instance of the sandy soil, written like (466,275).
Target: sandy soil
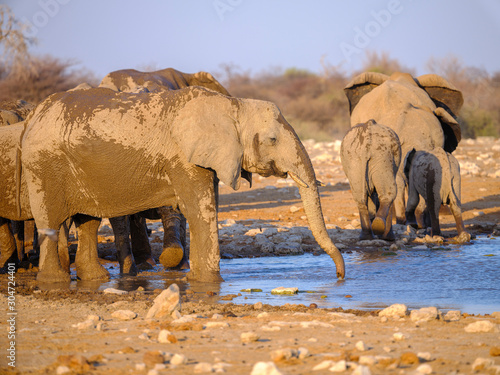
(298,338)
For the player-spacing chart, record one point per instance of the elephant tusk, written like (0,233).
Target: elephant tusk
(297,180)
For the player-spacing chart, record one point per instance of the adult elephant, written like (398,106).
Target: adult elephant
(178,143)
(133,227)
(422,111)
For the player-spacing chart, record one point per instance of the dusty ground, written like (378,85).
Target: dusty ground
(46,319)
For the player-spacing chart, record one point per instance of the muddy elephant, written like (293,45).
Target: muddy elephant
(14,200)
(422,111)
(174,253)
(370,155)
(176,143)
(434,176)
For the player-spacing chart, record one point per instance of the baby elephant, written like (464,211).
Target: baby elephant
(434,175)
(371,154)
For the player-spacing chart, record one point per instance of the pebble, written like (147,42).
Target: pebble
(166,337)
(426,356)
(304,353)
(339,366)
(360,345)
(453,316)
(284,354)
(362,370)
(482,364)
(425,314)
(143,336)
(424,369)
(62,370)
(203,367)
(265,368)
(481,326)
(124,315)
(368,360)
(398,336)
(153,357)
(217,325)
(166,303)
(394,311)
(294,209)
(283,290)
(247,337)
(178,359)
(258,305)
(324,365)
(114,291)
(409,358)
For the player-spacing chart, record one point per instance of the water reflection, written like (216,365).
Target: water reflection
(461,277)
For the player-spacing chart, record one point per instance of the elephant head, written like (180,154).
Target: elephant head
(231,135)
(446,99)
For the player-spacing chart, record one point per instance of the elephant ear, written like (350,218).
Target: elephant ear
(361,85)
(442,92)
(451,129)
(207,80)
(205,131)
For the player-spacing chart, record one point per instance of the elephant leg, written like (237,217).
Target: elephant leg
(389,233)
(8,252)
(433,205)
(399,202)
(173,249)
(457,214)
(62,246)
(87,262)
(50,269)
(141,248)
(364,218)
(18,229)
(197,202)
(122,243)
(413,201)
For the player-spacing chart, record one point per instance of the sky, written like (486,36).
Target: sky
(258,35)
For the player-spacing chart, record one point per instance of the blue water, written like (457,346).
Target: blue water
(465,277)
(455,277)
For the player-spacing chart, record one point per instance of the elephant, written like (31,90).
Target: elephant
(422,111)
(371,155)
(12,112)
(14,202)
(435,176)
(174,254)
(174,144)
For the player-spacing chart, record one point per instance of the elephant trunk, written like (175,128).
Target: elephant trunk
(305,178)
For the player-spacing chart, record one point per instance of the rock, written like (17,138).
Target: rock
(424,369)
(247,337)
(283,290)
(166,337)
(398,336)
(496,314)
(166,303)
(495,351)
(203,367)
(62,370)
(339,366)
(85,325)
(124,315)
(453,316)
(324,365)
(409,358)
(482,364)
(367,360)
(114,291)
(294,209)
(143,336)
(362,370)
(178,359)
(289,248)
(304,353)
(217,325)
(258,305)
(265,368)
(481,326)
(425,356)
(284,354)
(425,314)
(76,363)
(394,311)
(360,345)
(153,357)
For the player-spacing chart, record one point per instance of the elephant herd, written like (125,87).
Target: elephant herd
(155,145)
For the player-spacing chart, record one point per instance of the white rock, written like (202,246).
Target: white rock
(424,369)
(114,291)
(453,315)
(124,315)
(324,365)
(398,336)
(426,356)
(165,337)
(143,336)
(425,314)
(284,354)
(248,337)
(140,366)
(362,370)
(203,367)
(165,303)
(304,353)
(62,370)
(283,290)
(265,368)
(360,345)
(154,371)
(482,363)
(396,310)
(339,366)
(481,326)
(294,209)
(85,325)
(217,325)
(367,360)
(178,359)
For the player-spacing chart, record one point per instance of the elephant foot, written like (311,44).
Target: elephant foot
(95,272)
(172,256)
(389,236)
(128,267)
(365,236)
(463,237)
(378,226)
(147,265)
(207,276)
(57,276)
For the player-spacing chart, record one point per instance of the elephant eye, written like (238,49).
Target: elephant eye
(273,141)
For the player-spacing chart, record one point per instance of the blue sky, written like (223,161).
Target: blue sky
(194,35)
